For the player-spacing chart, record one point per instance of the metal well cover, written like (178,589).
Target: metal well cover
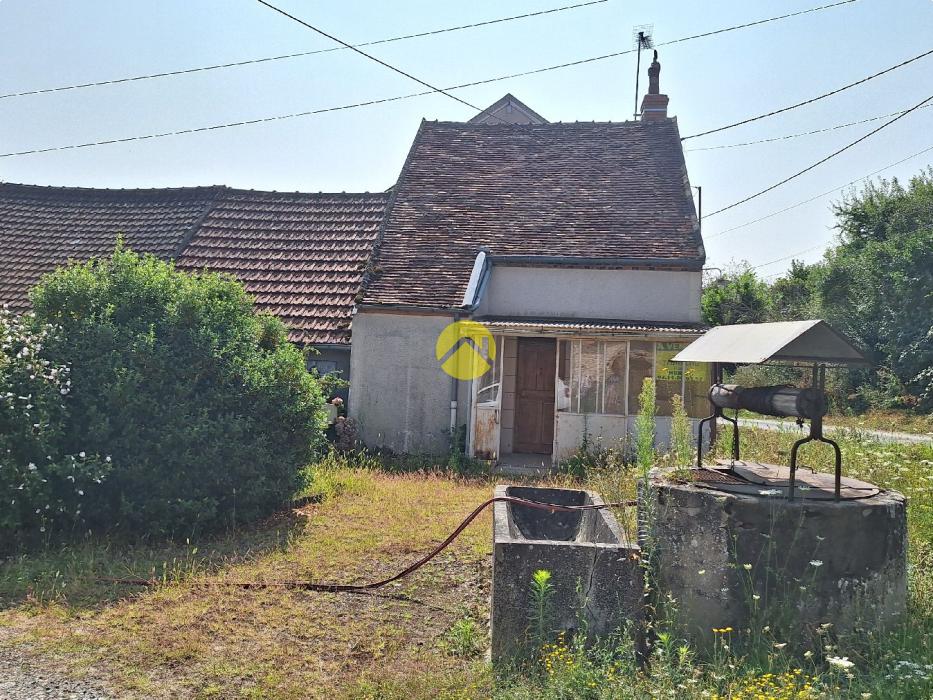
(812,341)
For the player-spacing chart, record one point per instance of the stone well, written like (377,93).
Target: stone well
(724,535)
(596,572)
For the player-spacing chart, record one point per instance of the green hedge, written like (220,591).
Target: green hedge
(199,411)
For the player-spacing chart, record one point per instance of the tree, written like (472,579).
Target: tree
(205,409)
(736,298)
(878,283)
(795,296)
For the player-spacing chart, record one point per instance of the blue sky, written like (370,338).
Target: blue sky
(711,81)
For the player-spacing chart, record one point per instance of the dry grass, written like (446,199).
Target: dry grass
(186,639)
(195,639)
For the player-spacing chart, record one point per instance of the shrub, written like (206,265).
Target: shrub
(207,411)
(41,486)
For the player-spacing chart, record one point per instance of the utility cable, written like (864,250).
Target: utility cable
(785,137)
(821,161)
(810,100)
(789,257)
(382,63)
(267,59)
(819,196)
(367,103)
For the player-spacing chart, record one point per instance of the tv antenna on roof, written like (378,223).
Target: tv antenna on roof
(642,37)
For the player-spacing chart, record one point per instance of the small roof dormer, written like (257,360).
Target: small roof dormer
(508,110)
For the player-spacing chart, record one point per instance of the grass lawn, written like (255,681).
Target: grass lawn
(185,639)
(425,636)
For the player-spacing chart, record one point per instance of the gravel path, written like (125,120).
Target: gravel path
(23,678)
(879,435)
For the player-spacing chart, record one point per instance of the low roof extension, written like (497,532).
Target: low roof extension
(301,256)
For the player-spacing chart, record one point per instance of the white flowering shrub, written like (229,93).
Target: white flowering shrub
(42,485)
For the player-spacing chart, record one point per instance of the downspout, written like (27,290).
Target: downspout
(453,399)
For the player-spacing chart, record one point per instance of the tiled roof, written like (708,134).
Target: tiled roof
(42,228)
(590,190)
(525,325)
(301,256)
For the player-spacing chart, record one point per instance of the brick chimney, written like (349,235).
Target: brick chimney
(654,104)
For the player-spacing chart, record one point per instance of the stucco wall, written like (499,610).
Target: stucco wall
(637,295)
(398,392)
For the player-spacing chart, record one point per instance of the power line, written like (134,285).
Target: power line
(788,257)
(755,23)
(821,161)
(369,56)
(785,137)
(811,100)
(819,196)
(268,59)
(367,103)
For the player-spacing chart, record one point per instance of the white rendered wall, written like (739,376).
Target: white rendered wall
(632,295)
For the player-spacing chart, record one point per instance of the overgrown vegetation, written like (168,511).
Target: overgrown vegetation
(156,402)
(419,639)
(875,285)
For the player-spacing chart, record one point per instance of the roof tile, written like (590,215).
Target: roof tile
(590,190)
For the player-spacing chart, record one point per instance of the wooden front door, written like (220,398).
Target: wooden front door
(534,395)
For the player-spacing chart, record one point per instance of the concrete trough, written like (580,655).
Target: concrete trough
(595,572)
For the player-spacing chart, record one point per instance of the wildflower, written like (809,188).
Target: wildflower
(701,572)
(32,467)
(816,562)
(840,662)
(81,454)
(755,596)
(747,567)
(781,645)
(807,654)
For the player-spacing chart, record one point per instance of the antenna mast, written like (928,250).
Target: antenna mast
(642,38)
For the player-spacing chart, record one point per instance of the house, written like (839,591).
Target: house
(575,246)
(301,256)
(571,250)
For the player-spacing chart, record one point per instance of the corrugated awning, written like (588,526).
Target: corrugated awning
(810,342)
(600,326)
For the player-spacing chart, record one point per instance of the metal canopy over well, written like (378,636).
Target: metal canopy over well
(811,342)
